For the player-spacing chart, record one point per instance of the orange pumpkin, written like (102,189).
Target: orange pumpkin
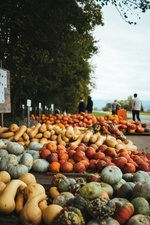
(123,214)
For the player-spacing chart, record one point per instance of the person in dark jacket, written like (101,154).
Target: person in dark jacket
(89,106)
(81,106)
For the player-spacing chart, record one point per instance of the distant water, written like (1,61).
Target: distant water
(99,104)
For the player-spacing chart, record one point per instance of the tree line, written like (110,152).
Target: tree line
(47,46)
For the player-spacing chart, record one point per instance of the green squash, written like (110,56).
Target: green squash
(141,206)
(139,219)
(91,190)
(111,175)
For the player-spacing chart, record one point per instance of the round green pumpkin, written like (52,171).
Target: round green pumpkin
(91,190)
(111,175)
(141,206)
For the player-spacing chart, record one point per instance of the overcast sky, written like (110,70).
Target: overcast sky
(122,66)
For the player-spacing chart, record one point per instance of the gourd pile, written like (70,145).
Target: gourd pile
(111,198)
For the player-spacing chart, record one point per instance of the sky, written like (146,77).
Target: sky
(122,66)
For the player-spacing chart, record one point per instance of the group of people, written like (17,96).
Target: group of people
(82,107)
(136,107)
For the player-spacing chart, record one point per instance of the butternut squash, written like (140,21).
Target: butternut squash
(50,212)
(63,137)
(7,197)
(33,189)
(78,141)
(34,131)
(20,200)
(94,137)
(25,137)
(53,191)
(28,178)
(13,127)
(42,128)
(60,141)
(31,213)
(39,135)
(20,132)
(7,134)
(100,140)
(2,186)
(47,134)
(88,134)
(69,132)
(5,176)
(43,141)
(3,129)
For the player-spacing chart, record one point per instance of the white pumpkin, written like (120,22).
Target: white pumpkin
(14,148)
(40,165)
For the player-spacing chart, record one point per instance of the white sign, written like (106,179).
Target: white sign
(28,102)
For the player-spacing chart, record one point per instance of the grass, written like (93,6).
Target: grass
(99,113)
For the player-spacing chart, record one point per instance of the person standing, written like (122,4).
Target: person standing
(89,106)
(136,108)
(81,105)
(115,107)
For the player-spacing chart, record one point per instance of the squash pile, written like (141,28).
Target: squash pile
(110,198)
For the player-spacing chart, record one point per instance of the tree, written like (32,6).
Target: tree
(46,46)
(127,8)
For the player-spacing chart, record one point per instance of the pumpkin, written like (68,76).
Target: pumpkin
(139,219)
(125,191)
(63,184)
(35,146)
(8,159)
(27,160)
(142,189)
(123,214)
(3,152)
(128,177)
(35,154)
(70,215)
(16,171)
(141,206)
(100,209)
(80,203)
(90,190)
(108,188)
(111,175)
(141,176)
(62,198)
(14,148)
(40,165)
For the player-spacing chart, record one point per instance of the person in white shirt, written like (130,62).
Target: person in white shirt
(136,108)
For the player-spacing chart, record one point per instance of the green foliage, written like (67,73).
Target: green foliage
(47,46)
